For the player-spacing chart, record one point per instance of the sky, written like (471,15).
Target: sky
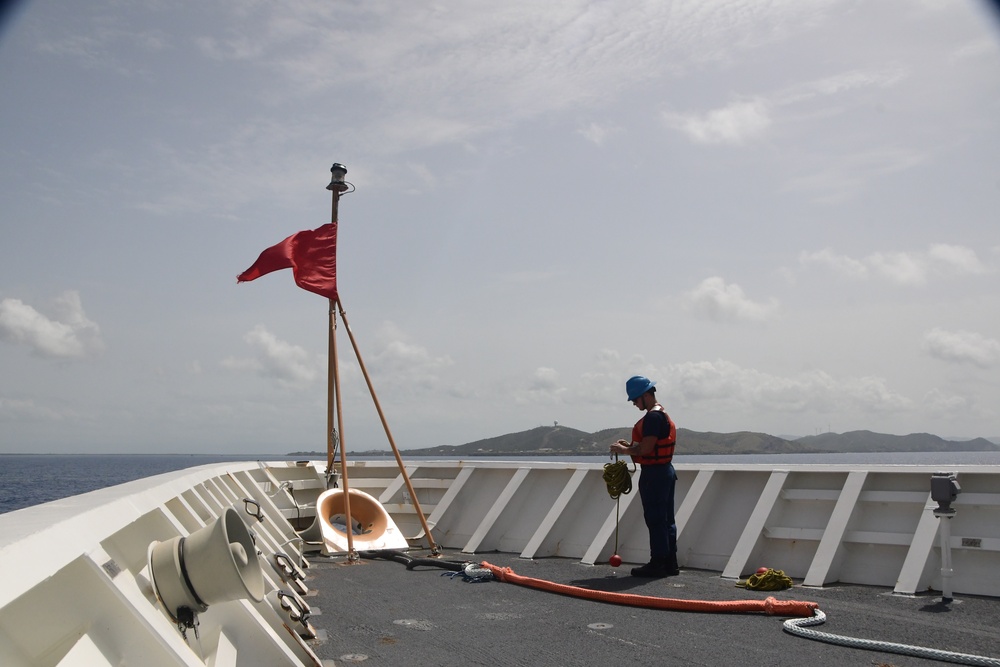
(784,212)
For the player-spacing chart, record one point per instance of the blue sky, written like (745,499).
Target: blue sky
(784,212)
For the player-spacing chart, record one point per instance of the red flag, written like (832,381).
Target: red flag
(310,254)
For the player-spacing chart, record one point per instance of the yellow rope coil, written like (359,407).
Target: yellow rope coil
(618,479)
(771,580)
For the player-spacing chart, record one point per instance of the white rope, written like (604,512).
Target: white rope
(471,572)
(475,573)
(796,626)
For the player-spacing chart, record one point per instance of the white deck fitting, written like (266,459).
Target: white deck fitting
(380,531)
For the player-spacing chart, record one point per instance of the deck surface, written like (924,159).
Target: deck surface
(378,612)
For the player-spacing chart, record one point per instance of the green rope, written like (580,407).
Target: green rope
(618,479)
(771,580)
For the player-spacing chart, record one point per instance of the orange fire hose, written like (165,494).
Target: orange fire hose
(770,606)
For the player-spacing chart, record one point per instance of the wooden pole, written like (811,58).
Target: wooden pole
(331,394)
(385,425)
(352,555)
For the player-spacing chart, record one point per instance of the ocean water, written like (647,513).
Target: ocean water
(32,479)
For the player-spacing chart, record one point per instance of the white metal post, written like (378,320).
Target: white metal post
(946,570)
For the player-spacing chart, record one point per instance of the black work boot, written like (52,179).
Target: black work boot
(655,569)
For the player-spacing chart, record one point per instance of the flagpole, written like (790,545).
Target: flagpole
(336,188)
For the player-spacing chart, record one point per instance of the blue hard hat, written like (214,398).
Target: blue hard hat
(638,385)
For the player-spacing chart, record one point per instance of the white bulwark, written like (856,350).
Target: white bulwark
(76,586)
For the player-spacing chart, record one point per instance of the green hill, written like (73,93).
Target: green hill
(565,441)
(544,440)
(868,441)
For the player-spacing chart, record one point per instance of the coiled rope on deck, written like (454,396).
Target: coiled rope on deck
(769,580)
(796,626)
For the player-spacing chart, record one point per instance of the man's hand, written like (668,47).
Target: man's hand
(620,447)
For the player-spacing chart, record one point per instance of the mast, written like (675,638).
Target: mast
(335,437)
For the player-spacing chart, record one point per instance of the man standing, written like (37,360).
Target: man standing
(652,447)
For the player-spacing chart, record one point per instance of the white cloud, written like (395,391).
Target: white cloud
(984,48)
(423,174)
(716,300)
(69,335)
(965,347)
(449,71)
(20,409)
(727,384)
(408,364)
(941,404)
(899,267)
(545,379)
(700,380)
(543,387)
(847,81)
(722,386)
(956,259)
(446,72)
(275,359)
(909,268)
(737,123)
(747,119)
(874,395)
(841,264)
(839,178)
(598,134)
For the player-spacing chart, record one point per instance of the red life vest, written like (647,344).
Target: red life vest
(663,451)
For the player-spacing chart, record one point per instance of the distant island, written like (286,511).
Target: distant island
(565,441)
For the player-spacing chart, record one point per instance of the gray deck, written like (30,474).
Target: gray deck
(378,612)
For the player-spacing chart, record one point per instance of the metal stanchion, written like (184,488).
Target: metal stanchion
(944,490)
